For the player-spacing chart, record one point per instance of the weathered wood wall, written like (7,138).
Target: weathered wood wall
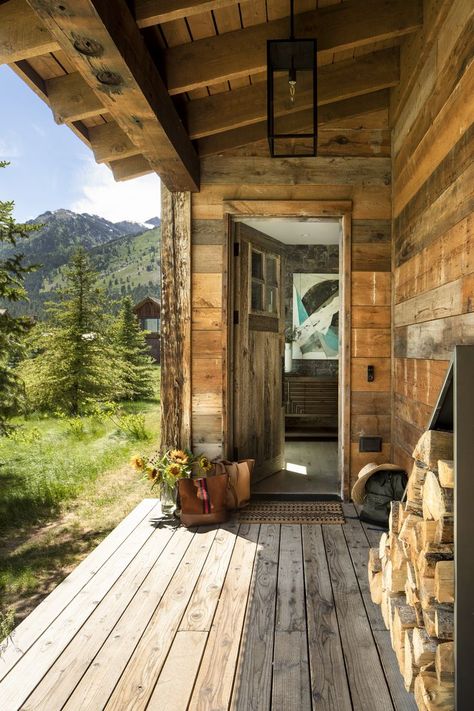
(358,169)
(432,113)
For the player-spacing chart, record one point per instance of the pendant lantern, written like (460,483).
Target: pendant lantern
(292,95)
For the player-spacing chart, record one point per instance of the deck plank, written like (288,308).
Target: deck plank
(253,680)
(291,679)
(202,605)
(33,626)
(138,680)
(176,681)
(367,682)
(106,667)
(329,685)
(358,539)
(61,679)
(35,663)
(213,688)
(194,627)
(358,546)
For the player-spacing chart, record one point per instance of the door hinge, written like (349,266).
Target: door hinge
(236,318)
(236,249)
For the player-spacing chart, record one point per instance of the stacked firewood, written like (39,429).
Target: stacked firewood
(411,575)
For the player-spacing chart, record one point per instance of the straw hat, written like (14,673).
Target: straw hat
(358,490)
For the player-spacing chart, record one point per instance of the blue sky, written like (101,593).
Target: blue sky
(51,168)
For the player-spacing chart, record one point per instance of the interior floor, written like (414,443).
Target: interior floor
(311,468)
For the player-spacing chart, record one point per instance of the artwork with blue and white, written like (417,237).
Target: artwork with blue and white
(315,316)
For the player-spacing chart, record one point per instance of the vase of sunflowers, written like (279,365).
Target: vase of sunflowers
(165,469)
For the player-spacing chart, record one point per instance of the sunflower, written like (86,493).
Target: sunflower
(177,455)
(205,464)
(151,473)
(137,463)
(174,471)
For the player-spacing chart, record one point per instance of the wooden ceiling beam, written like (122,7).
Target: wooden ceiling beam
(329,114)
(156,12)
(109,142)
(338,81)
(128,168)
(72,99)
(344,26)
(22,34)
(103,42)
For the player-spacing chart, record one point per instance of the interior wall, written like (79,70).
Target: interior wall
(432,112)
(363,176)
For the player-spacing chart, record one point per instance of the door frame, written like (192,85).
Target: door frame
(342,209)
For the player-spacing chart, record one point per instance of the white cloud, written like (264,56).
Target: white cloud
(98,194)
(10,146)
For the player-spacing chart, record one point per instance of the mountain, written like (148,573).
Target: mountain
(155,221)
(125,253)
(127,265)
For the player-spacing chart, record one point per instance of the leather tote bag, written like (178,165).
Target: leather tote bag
(240,473)
(204,500)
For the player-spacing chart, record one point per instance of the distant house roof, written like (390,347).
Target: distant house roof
(147,300)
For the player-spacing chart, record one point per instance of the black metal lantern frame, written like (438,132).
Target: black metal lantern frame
(291,56)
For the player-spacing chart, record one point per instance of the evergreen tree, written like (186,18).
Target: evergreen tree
(75,363)
(132,349)
(12,330)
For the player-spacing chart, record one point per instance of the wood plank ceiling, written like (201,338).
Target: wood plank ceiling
(152,85)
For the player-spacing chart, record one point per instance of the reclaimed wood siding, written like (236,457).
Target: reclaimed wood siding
(242,176)
(432,112)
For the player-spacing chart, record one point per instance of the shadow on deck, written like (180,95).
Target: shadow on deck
(247,617)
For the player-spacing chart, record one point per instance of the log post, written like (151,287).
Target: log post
(175,319)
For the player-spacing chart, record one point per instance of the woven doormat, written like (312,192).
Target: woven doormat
(310,512)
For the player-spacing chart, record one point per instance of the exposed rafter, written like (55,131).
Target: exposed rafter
(155,12)
(104,43)
(22,34)
(299,121)
(342,80)
(128,168)
(72,99)
(109,142)
(350,24)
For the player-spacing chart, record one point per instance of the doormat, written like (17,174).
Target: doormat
(310,512)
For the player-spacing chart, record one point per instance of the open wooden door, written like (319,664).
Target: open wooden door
(258,423)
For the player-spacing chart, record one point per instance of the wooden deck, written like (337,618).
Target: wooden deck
(249,618)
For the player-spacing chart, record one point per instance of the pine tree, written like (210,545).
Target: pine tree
(12,330)
(132,349)
(75,363)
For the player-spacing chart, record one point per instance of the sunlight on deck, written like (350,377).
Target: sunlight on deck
(238,617)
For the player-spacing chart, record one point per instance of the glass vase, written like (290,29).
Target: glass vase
(168,496)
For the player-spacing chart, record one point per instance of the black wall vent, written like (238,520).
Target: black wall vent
(370,444)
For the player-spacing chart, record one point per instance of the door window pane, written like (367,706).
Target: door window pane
(271,271)
(272,300)
(257,296)
(257,265)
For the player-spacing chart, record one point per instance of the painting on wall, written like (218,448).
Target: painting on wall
(315,316)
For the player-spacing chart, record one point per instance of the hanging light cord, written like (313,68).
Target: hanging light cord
(292,72)
(292,19)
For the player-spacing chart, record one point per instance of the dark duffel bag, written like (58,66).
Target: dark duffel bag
(382,488)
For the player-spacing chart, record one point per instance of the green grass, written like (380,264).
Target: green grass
(47,463)
(62,489)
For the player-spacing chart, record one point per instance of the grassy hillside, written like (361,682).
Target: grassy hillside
(127,265)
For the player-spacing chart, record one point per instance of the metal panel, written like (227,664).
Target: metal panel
(464,525)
